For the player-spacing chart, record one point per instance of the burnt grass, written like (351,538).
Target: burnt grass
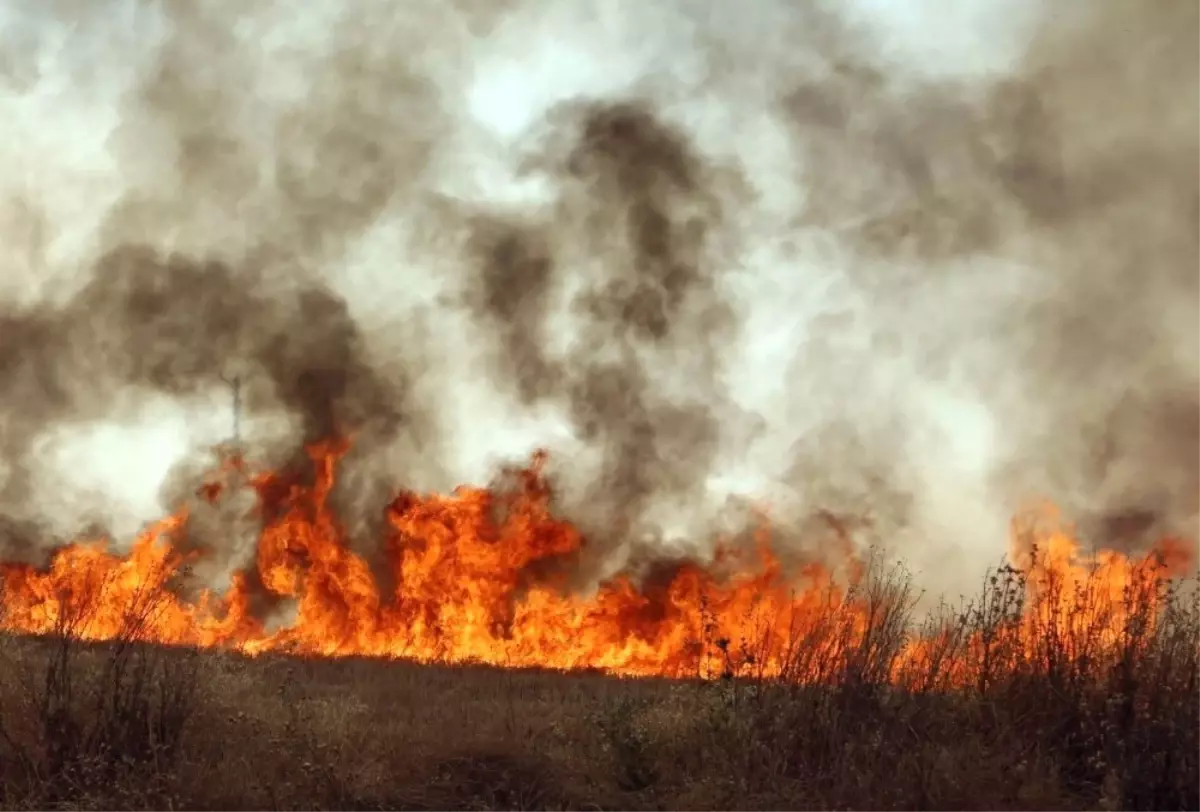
(128,725)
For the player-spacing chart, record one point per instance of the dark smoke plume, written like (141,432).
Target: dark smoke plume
(637,192)
(171,324)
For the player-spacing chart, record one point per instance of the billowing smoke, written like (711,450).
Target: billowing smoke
(892,267)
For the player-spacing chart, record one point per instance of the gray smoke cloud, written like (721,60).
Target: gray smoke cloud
(906,267)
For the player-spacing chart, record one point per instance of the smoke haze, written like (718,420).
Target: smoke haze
(903,265)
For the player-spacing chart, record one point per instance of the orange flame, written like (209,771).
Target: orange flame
(474,581)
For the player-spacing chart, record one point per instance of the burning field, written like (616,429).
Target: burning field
(1072,673)
(525,404)
(482,576)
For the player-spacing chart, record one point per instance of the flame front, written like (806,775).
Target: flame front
(473,578)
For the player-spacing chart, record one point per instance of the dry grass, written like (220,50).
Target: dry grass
(1068,724)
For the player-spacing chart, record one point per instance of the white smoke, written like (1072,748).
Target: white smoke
(188,129)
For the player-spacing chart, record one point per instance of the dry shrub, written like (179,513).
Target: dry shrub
(80,720)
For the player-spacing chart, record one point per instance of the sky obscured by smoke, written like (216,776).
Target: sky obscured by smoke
(900,262)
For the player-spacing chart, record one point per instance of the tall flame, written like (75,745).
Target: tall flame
(478,576)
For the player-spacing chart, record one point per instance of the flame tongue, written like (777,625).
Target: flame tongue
(474,581)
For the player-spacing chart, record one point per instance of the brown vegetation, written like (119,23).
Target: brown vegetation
(1073,722)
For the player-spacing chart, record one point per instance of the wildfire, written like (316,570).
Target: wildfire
(477,576)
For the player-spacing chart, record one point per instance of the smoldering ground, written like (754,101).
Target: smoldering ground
(804,256)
